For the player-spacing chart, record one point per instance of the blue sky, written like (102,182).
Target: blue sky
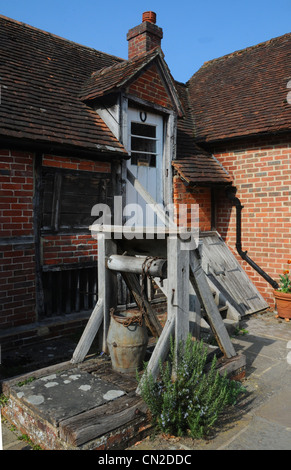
(194,32)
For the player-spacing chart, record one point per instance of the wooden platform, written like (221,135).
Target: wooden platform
(83,407)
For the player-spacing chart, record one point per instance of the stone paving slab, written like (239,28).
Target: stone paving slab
(261,434)
(278,410)
(12,438)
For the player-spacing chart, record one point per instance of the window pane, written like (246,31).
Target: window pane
(143,159)
(144,130)
(143,145)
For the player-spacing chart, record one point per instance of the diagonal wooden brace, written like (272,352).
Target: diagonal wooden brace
(202,289)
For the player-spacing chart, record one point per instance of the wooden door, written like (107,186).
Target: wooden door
(146,146)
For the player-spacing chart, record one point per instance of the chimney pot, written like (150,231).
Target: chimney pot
(149,16)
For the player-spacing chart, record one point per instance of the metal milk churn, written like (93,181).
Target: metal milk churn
(127,340)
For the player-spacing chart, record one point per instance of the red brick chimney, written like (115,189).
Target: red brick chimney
(145,36)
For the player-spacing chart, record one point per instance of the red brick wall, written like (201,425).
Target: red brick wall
(17,269)
(142,43)
(200,196)
(143,38)
(150,87)
(17,257)
(16,207)
(17,293)
(62,249)
(262,175)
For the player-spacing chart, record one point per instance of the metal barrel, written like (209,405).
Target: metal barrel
(127,341)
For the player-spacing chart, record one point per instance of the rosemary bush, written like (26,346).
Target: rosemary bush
(191,403)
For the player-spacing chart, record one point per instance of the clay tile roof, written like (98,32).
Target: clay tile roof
(112,78)
(243,93)
(193,163)
(40,77)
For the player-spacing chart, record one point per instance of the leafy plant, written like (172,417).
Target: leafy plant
(26,381)
(192,402)
(240,331)
(284,281)
(3,400)
(25,438)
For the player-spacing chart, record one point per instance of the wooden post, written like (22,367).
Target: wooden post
(168,156)
(178,286)
(194,313)
(107,281)
(178,289)
(194,307)
(202,289)
(107,299)
(161,350)
(40,304)
(89,333)
(151,320)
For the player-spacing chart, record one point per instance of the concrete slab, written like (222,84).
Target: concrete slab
(65,394)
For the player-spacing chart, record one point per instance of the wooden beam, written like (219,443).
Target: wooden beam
(137,264)
(202,289)
(178,291)
(56,201)
(169,155)
(37,218)
(178,286)
(107,282)
(151,319)
(160,352)
(194,313)
(150,200)
(89,333)
(101,420)
(194,306)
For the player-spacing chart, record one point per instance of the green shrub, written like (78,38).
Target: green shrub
(192,403)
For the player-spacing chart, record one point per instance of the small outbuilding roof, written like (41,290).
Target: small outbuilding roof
(194,164)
